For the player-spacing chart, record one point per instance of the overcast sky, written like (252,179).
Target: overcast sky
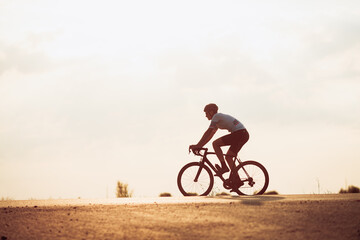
(92,92)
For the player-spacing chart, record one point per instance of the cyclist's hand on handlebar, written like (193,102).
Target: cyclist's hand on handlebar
(191,147)
(195,149)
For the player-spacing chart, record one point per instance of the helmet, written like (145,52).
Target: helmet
(211,107)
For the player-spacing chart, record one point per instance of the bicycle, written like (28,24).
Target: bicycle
(197,179)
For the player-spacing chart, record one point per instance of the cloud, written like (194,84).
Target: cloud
(134,79)
(23,60)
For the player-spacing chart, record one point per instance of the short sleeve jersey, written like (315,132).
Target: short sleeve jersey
(227,122)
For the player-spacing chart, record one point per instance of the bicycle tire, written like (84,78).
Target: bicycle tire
(258,180)
(186,177)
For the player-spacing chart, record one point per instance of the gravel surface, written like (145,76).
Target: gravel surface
(334,216)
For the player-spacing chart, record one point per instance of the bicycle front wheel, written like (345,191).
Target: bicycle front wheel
(195,179)
(254,176)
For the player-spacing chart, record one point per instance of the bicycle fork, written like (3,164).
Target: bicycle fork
(199,171)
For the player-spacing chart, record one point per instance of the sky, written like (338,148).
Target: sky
(95,92)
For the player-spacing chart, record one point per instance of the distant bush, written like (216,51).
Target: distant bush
(271,193)
(165,194)
(350,189)
(193,194)
(122,190)
(222,194)
(6,199)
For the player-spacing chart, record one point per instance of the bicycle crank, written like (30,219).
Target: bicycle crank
(251,182)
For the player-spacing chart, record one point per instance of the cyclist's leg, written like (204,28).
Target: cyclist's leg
(236,140)
(217,144)
(240,138)
(229,157)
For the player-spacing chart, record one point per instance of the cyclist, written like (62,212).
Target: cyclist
(236,139)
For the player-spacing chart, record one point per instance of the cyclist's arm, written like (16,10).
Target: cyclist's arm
(206,137)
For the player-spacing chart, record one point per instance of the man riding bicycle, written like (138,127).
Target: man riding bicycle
(236,139)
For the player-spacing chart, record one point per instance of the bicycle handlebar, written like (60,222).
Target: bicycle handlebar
(197,151)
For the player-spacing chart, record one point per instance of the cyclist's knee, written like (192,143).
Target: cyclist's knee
(217,143)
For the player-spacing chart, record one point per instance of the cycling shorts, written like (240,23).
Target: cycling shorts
(236,140)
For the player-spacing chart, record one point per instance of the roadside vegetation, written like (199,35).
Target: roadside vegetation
(122,190)
(350,189)
(6,199)
(271,193)
(193,194)
(165,194)
(222,194)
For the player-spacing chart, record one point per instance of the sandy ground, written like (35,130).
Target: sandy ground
(259,217)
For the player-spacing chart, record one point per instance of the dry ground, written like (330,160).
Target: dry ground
(259,217)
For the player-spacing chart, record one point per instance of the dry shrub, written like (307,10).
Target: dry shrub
(193,194)
(122,190)
(165,194)
(271,193)
(222,194)
(350,189)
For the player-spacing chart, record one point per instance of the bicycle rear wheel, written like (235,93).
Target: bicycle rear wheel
(254,176)
(189,185)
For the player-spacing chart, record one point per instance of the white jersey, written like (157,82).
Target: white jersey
(223,121)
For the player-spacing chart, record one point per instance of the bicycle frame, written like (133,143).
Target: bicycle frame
(204,160)
(245,178)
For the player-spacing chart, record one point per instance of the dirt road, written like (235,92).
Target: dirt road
(259,217)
